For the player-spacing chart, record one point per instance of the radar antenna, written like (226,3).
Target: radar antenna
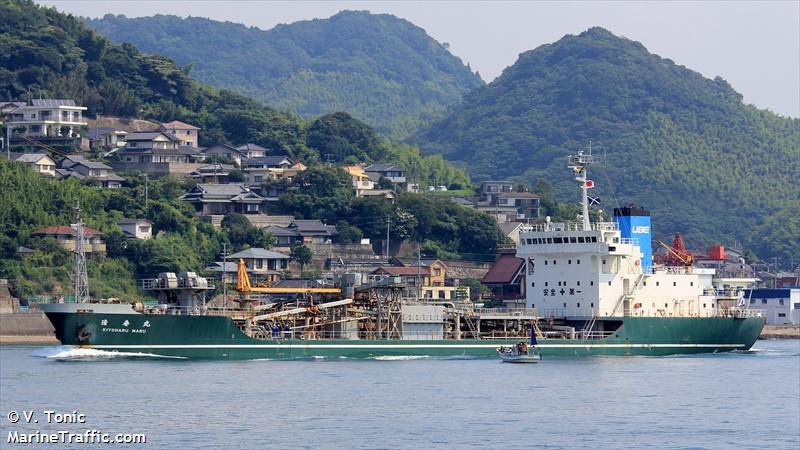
(579,164)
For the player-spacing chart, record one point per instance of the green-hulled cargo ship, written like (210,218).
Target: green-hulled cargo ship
(120,328)
(590,289)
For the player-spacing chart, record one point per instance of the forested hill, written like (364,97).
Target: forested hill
(382,69)
(680,144)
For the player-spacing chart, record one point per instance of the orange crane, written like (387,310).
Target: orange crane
(243,285)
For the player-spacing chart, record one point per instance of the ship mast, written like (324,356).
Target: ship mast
(81,277)
(579,164)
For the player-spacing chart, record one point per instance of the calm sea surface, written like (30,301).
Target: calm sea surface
(734,400)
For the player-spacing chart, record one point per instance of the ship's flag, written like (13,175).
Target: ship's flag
(589,184)
(594,201)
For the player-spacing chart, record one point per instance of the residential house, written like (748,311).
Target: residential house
(53,122)
(83,168)
(221,199)
(106,137)
(213,173)
(313,231)
(187,134)
(392,172)
(225,153)
(526,204)
(39,162)
(506,279)
(511,230)
(266,265)
(428,277)
(158,153)
(284,236)
(136,228)
(94,244)
(252,150)
(491,189)
(782,306)
(228,270)
(265,168)
(361,182)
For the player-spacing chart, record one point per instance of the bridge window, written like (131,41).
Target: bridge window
(557,240)
(580,240)
(549,240)
(572,240)
(780,302)
(763,301)
(594,238)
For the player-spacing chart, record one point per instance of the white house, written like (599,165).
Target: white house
(39,162)
(136,228)
(48,121)
(782,306)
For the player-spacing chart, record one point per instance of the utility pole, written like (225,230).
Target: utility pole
(81,275)
(387,237)
(224,276)
(419,268)
(145,192)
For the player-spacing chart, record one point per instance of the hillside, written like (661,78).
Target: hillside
(680,144)
(382,69)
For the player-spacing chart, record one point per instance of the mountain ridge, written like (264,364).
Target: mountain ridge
(684,145)
(384,70)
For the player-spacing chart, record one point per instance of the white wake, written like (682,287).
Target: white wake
(68,352)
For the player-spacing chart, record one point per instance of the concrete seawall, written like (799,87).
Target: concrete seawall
(780,332)
(26,328)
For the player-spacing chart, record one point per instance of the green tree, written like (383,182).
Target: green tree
(302,254)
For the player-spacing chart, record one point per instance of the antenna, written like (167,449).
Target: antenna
(579,164)
(81,276)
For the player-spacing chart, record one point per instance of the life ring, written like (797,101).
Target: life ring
(661,312)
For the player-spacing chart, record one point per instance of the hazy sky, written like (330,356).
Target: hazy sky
(753,45)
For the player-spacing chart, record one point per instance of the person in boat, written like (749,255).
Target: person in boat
(523,348)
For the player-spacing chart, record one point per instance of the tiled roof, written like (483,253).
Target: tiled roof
(149,136)
(124,221)
(178,125)
(274,160)
(53,102)
(32,157)
(404,271)
(278,231)
(259,253)
(504,270)
(62,230)
(251,147)
(382,168)
(518,195)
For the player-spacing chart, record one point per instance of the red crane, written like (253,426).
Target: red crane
(677,255)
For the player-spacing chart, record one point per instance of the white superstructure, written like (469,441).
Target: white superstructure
(589,270)
(572,272)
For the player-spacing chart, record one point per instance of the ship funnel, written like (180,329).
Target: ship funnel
(634,223)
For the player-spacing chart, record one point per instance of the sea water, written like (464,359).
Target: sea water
(731,400)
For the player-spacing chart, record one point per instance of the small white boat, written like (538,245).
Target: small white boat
(520,353)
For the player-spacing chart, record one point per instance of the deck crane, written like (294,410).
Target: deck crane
(677,254)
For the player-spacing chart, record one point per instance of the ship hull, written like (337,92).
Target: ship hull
(216,337)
